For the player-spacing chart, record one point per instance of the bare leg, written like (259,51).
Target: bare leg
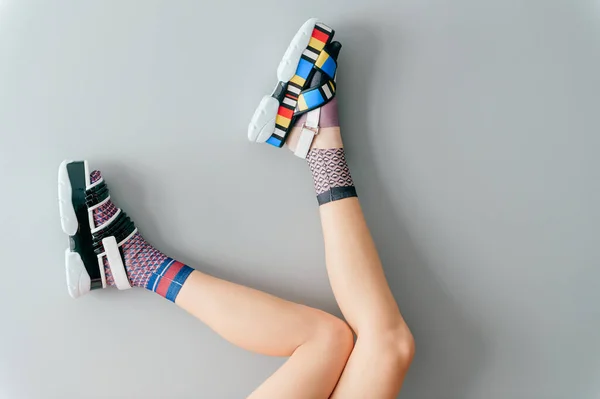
(318,344)
(384,346)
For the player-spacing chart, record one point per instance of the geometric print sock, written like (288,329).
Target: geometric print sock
(145,265)
(331,175)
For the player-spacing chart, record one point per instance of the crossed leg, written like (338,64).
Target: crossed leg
(317,343)
(323,359)
(107,250)
(320,346)
(384,346)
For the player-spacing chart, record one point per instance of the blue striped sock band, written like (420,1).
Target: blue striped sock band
(168,279)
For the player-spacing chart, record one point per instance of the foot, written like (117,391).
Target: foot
(329,134)
(326,157)
(306,83)
(307,120)
(105,247)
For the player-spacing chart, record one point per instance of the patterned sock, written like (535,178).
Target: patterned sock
(145,265)
(331,175)
(330,171)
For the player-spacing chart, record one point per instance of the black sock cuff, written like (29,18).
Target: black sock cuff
(331,175)
(336,194)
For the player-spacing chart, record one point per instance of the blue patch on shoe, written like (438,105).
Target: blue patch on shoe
(304,68)
(274,141)
(329,67)
(313,98)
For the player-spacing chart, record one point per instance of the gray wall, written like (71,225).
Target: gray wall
(472,133)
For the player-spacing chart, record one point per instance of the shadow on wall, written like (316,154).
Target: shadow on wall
(450,347)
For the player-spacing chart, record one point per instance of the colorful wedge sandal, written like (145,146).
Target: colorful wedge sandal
(80,199)
(307,75)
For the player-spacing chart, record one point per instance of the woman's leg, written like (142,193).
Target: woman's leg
(384,347)
(107,250)
(318,344)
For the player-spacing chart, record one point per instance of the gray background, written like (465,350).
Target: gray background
(472,134)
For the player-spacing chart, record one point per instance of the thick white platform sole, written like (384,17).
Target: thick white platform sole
(68,220)
(78,279)
(262,124)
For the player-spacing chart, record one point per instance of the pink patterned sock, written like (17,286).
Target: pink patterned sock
(331,175)
(145,265)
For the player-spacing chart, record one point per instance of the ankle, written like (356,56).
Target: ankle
(328,137)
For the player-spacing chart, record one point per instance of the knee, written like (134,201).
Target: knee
(404,348)
(394,347)
(335,334)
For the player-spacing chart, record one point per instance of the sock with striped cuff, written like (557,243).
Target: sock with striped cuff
(145,266)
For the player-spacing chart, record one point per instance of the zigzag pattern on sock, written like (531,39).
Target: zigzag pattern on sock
(329,169)
(331,174)
(142,261)
(104,212)
(107,210)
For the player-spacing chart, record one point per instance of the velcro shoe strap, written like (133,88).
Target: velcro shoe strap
(308,133)
(315,97)
(115,263)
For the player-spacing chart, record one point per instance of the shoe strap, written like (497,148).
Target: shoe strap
(309,130)
(315,97)
(314,57)
(121,228)
(115,263)
(96,195)
(109,236)
(326,64)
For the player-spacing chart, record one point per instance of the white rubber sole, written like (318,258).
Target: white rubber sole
(262,124)
(291,58)
(68,220)
(78,279)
